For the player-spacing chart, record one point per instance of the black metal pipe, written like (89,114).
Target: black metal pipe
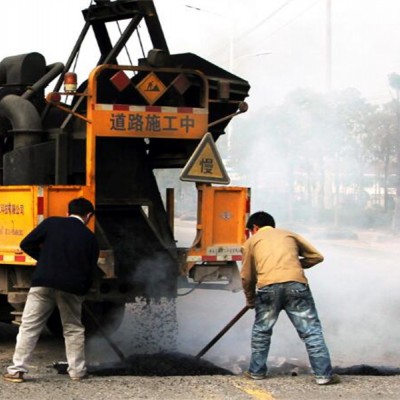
(24,118)
(223,331)
(113,54)
(52,71)
(73,55)
(116,349)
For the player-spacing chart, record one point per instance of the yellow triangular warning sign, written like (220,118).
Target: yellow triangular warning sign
(205,164)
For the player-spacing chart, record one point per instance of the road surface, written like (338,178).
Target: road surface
(356,291)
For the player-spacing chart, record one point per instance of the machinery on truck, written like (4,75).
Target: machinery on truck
(104,139)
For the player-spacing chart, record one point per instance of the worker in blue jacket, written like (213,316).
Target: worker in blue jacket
(66,252)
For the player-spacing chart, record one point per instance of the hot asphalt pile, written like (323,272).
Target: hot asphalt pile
(162,364)
(178,364)
(369,370)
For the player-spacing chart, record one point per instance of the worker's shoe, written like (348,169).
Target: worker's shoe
(249,375)
(79,378)
(17,377)
(328,381)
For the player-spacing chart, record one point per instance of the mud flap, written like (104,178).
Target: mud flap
(220,277)
(235,285)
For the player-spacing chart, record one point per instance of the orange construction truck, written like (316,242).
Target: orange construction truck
(103,140)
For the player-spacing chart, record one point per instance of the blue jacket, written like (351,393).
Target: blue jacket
(66,252)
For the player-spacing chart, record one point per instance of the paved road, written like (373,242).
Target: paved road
(356,290)
(45,384)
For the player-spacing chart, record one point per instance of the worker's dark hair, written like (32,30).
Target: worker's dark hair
(260,218)
(80,206)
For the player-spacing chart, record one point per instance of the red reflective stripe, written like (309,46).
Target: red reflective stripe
(185,110)
(121,107)
(221,258)
(248,201)
(158,109)
(247,211)
(21,258)
(153,108)
(40,205)
(209,258)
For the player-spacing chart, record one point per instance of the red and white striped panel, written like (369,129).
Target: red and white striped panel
(155,109)
(247,211)
(13,258)
(40,204)
(213,258)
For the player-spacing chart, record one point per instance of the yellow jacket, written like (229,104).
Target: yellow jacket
(275,256)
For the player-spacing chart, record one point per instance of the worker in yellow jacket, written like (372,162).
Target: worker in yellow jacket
(273,280)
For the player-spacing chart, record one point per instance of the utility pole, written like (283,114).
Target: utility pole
(394,81)
(328,45)
(396,216)
(231,15)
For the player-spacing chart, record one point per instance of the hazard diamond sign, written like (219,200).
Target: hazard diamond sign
(205,164)
(151,88)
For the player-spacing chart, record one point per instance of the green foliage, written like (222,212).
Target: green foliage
(313,149)
(394,81)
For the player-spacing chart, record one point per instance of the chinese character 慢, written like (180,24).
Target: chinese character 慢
(207,165)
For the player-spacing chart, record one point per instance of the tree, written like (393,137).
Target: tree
(394,82)
(380,144)
(355,114)
(313,152)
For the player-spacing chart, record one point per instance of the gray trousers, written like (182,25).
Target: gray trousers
(40,303)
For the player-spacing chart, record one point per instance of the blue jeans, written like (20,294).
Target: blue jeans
(296,299)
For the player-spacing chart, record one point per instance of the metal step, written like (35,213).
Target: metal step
(17,317)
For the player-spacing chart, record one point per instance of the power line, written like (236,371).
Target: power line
(293,19)
(270,16)
(267,18)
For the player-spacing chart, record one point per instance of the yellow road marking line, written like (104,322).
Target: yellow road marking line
(255,391)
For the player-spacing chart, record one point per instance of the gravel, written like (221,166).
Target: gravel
(44,382)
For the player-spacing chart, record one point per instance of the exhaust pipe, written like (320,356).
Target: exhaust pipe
(24,118)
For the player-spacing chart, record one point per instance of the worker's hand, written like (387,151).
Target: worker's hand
(250,303)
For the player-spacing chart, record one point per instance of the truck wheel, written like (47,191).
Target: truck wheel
(109,315)
(5,310)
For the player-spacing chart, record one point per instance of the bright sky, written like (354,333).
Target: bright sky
(365,39)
